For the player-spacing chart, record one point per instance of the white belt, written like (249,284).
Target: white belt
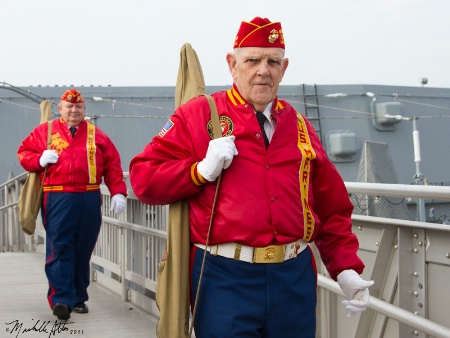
(268,254)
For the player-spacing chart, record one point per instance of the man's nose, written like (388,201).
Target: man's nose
(263,69)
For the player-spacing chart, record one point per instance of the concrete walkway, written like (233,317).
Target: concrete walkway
(25,313)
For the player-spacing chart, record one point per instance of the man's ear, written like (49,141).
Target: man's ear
(231,60)
(285,65)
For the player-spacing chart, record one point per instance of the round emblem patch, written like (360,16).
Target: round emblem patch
(225,124)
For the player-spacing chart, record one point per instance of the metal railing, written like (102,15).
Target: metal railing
(408,260)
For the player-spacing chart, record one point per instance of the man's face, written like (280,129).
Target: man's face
(257,73)
(72,113)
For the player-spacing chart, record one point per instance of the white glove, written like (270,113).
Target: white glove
(118,202)
(356,290)
(48,156)
(219,156)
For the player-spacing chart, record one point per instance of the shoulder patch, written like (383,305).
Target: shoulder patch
(169,124)
(226,124)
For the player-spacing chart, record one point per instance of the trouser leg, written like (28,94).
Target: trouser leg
(60,248)
(86,239)
(292,298)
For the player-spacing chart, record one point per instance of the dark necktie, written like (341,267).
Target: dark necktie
(261,119)
(73,130)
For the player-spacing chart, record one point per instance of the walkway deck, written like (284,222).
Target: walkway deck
(24,311)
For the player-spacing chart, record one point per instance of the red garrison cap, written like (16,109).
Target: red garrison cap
(72,96)
(259,32)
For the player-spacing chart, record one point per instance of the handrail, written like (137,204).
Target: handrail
(135,227)
(419,191)
(401,223)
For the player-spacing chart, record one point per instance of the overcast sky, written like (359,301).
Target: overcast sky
(137,42)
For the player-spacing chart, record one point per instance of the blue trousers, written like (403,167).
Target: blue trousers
(72,224)
(239,299)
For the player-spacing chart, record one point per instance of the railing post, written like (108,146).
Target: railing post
(122,253)
(411,274)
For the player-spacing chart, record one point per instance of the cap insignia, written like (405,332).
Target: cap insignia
(273,36)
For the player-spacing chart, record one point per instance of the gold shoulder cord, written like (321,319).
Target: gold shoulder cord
(90,145)
(308,154)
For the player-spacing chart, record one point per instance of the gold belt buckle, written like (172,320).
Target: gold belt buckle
(269,254)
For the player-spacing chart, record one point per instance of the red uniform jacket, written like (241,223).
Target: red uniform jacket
(82,163)
(259,200)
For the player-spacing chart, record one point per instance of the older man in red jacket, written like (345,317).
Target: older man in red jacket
(80,156)
(278,192)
